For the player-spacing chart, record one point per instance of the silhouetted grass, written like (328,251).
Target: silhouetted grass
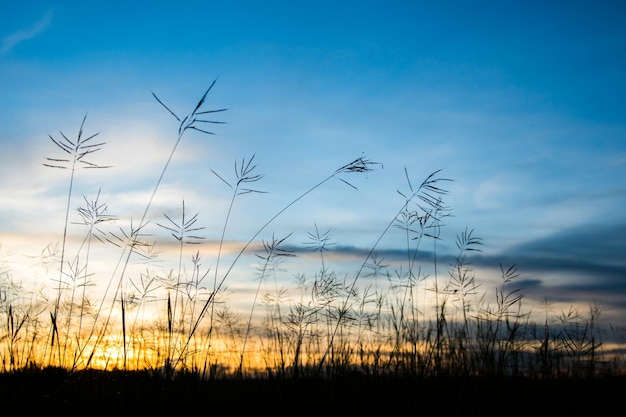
(363,343)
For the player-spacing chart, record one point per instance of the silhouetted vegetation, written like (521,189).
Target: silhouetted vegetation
(366,343)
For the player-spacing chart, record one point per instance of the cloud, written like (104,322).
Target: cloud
(576,266)
(10,41)
(589,247)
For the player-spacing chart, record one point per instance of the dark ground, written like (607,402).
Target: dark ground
(56,392)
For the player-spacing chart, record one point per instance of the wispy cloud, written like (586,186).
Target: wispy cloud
(10,41)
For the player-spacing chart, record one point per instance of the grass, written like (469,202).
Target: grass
(392,336)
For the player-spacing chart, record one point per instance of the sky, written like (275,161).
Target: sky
(521,104)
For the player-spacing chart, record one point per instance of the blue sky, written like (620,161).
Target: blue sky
(521,104)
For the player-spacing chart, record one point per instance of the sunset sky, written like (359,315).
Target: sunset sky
(521,103)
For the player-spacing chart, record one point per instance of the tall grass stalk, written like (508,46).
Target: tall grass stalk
(76,151)
(244,174)
(93,215)
(192,121)
(273,252)
(184,233)
(427,193)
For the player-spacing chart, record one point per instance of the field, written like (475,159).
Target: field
(362,344)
